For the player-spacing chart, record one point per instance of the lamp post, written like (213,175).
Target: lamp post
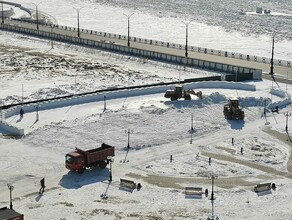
(128,132)
(52,42)
(272,60)
(192,123)
(212,179)
(22,93)
(37,14)
(111,160)
(78,12)
(2,13)
(287,114)
(212,217)
(10,187)
(37,112)
(1,103)
(128,17)
(187,30)
(104,103)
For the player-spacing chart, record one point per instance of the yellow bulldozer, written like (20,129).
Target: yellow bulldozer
(178,93)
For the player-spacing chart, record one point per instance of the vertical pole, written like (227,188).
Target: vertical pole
(128,31)
(75,83)
(272,60)
(111,177)
(52,42)
(212,208)
(22,92)
(128,17)
(78,26)
(212,194)
(192,122)
(11,206)
(37,113)
(186,41)
(104,102)
(78,29)
(10,187)
(37,17)
(265,103)
(2,13)
(286,84)
(128,139)
(287,114)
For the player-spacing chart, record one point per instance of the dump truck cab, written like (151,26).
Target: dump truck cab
(74,161)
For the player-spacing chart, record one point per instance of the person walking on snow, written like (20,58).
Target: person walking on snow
(42,189)
(21,113)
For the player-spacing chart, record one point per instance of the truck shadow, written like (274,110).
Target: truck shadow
(73,180)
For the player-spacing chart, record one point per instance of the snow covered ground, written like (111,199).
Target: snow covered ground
(160,127)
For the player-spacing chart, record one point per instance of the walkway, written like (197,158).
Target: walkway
(104,38)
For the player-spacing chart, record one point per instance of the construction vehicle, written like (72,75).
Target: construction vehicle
(79,160)
(178,93)
(232,110)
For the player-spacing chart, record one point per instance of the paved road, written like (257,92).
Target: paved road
(172,51)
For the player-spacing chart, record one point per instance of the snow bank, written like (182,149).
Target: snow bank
(12,130)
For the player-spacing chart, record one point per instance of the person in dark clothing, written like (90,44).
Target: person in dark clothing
(21,113)
(42,189)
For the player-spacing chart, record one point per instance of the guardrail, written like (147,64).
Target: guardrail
(209,51)
(143,53)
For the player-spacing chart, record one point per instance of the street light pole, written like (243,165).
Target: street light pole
(110,160)
(128,132)
(192,123)
(212,217)
(52,42)
(78,26)
(37,14)
(212,193)
(287,114)
(272,60)
(10,187)
(37,112)
(128,17)
(2,13)
(104,103)
(187,30)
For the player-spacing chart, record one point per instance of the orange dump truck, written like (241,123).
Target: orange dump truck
(79,160)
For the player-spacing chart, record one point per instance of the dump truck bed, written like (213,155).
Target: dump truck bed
(97,154)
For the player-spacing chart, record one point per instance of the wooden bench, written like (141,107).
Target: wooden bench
(128,184)
(262,187)
(193,191)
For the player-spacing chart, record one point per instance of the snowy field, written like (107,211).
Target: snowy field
(160,127)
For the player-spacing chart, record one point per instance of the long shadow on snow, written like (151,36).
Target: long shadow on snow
(74,180)
(236,124)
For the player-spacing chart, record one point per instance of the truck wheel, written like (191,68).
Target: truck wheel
(102,164)
(81,170)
